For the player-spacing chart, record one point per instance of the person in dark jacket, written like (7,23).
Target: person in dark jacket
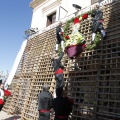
(45,101)
(97,23)
(61,106)
(59,36)
(58,69)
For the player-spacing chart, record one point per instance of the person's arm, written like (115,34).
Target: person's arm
(51,101)
(93,13)
(100,14)
(38,102)
(61,56)
(54,104)
(57,30)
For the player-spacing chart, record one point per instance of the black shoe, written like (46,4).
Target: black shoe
(105,37)
(56,51)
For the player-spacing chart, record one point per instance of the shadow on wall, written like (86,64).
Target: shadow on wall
(13,118)
(94,86)
(108,105)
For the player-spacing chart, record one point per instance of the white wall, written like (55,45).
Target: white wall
(71,9)
(39,18)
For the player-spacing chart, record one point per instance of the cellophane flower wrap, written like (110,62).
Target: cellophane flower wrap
(75,39)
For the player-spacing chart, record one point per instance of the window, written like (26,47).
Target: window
(51,19)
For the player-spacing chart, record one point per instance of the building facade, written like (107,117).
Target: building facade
(46,12)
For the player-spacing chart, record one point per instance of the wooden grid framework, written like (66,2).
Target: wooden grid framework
(95,86)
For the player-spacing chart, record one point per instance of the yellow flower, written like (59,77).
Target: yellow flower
(80,18)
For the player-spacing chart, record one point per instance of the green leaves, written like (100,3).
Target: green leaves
(96,42)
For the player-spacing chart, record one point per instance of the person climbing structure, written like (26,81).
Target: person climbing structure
(97,23)
(62,105)
(58,69)
(59,36)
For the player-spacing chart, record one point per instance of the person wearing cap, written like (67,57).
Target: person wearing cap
(97,23)
(61,105)
(59,36)
(45,103)
(58,69)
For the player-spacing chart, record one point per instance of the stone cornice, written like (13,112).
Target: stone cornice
(35,3)
(52,5)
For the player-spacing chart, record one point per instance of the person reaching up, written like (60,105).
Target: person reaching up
(97,23)
(58,69)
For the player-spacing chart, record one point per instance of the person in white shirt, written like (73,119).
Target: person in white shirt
(1,96)
(59,36)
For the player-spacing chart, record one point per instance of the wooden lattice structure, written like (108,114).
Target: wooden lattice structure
(95,86)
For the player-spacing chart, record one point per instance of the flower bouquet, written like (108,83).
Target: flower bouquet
(74,45)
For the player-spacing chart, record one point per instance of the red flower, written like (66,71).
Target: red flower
(76,20)
(67,37)
(7,93)
(1,102)
(85,16)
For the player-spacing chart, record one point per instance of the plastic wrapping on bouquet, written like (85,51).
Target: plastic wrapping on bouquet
(75,50)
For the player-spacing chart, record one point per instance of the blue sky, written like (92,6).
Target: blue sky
(15,18)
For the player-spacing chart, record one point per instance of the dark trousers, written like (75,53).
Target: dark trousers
(56,118)
(59,39)
(59,80)
(1,106)
(97,26)
(44,116)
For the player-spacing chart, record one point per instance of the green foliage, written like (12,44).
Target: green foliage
(59,49)
(71,20)
(90,12)
(67,24)
(79,15)
(96,42)
(66,27)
